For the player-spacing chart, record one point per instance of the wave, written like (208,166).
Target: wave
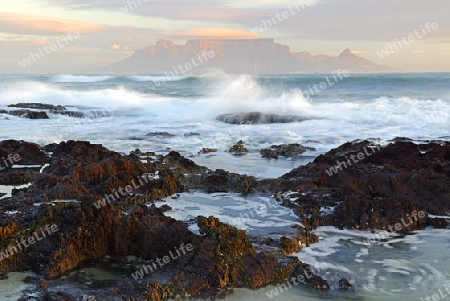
(79,78)
(161,78)
(226,94)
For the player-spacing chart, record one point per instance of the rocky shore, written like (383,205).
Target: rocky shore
(102,205)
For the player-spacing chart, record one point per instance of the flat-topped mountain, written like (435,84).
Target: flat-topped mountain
(253,56)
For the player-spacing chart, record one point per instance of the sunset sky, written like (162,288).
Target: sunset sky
(111,30)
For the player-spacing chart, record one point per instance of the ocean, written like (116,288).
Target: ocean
(159,114)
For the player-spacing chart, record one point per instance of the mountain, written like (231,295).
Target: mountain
(252,56)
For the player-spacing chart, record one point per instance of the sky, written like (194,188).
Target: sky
(74,35)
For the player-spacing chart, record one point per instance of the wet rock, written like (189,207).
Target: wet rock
(223,181)
(386,186)
(75,114)
(207,150)
(238,148)
(289,246)
(344,284)
(160,134)
(258,118)
(40,106)
(269,153)
(29,114)
(285,150)
(58,296)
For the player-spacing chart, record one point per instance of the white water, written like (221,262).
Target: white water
(131,114)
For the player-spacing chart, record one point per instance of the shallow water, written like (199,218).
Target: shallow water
(399,267)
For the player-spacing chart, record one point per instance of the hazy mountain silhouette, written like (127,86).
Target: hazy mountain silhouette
(253,56)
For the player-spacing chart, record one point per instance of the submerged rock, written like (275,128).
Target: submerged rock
(258,118)
(207,150)
(160,134)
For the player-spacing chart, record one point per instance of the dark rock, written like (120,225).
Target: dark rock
(386,186)
(289,246)
(207,150)
(238,148)
(40,106)
(58,296)
(160,134)
(344,284)
(258,118)
(29,114)
(285,150)
(75,114)
(269,153)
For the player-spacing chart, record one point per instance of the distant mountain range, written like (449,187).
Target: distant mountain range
(250,56)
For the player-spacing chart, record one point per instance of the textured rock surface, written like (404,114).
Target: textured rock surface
(284,150)
(238,148)
(71,193)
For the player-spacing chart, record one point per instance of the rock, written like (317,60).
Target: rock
(207,150)
(258,118)
(160,134)
(3,276)
(58,296)
(269,153)
(223,181)
(40,106)
(285,150)
(75,114)
(344,284)
(238,148)
(386,186)
(29,114)
(289,246)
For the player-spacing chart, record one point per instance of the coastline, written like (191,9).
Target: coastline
(94,163)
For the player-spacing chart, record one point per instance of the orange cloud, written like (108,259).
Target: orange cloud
(39,25)
(41,42)
(214,32)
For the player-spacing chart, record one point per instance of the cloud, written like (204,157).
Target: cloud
(325,20)
(41,42)
(115,46)
(44,26)
(215,32)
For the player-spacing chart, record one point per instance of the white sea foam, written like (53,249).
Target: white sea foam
(79,78)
